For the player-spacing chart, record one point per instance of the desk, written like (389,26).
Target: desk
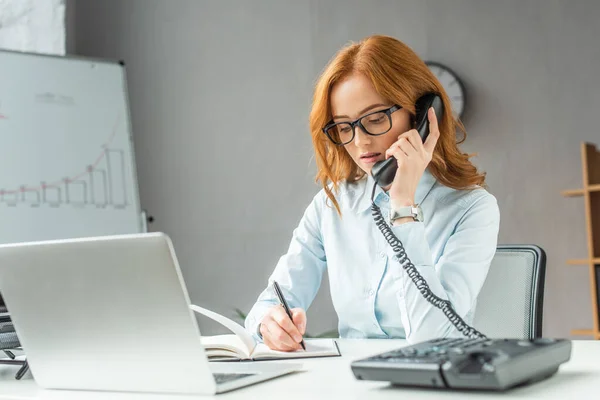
(331,378)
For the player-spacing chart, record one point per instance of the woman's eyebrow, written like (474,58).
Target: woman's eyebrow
(361,111)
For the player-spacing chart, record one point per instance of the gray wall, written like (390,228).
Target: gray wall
(220,95)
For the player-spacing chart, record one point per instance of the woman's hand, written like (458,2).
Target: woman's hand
(413,157)
(279,333)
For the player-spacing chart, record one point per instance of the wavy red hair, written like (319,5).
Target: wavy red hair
(401,77)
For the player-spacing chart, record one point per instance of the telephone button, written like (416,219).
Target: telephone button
(487,367)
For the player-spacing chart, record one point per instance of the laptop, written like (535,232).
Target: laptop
(112,313)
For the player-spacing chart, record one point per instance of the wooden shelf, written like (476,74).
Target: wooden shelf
(580,192)
(583,332)
(573,192)
(583,261)
(586,332)
(590,163)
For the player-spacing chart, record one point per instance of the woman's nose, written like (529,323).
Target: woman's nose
(360,137)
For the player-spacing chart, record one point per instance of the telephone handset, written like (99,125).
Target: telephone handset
(384,171)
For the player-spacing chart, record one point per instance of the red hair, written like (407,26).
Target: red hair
(401,77)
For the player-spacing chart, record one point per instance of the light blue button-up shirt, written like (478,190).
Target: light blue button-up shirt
(371,293)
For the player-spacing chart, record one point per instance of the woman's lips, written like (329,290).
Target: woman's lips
(370,158)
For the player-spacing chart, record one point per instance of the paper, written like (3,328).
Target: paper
(234,327)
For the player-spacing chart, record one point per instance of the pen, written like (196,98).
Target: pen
(285,306)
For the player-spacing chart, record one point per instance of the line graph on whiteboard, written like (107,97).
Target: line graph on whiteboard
(100,184)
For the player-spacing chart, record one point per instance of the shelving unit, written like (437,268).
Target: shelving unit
(590,162)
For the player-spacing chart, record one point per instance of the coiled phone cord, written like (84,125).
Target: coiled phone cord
(417,278)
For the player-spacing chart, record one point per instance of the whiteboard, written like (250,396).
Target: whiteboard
(67,165)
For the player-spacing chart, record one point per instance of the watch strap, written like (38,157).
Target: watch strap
(413,212)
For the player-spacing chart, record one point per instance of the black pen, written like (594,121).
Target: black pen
(285,306)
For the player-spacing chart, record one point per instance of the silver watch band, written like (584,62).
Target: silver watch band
(408,211)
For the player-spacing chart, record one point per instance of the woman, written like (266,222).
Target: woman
(377,82)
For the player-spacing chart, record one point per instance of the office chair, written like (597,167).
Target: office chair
(510,303)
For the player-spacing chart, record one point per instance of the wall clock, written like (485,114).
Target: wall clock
(452,85)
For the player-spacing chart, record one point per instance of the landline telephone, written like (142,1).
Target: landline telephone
(473,362)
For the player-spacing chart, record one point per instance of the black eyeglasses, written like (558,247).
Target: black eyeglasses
(374,124)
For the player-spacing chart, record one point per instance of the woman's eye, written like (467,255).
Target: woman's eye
(376,119)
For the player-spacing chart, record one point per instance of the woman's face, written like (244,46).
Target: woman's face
(355,97)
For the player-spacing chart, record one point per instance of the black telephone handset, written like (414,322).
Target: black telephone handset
(384,171)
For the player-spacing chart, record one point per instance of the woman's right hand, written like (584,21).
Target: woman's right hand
(279,333)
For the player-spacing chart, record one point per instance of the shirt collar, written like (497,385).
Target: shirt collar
(364,202)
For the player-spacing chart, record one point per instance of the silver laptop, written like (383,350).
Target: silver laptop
(112,313)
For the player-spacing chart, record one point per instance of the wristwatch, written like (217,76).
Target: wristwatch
(414,212)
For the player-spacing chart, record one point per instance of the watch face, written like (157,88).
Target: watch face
(452,85)
(419,216)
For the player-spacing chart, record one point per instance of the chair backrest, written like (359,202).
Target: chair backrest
(510,303)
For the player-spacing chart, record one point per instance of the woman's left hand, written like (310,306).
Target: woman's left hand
(413,157)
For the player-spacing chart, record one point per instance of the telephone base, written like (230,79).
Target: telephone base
(467,364)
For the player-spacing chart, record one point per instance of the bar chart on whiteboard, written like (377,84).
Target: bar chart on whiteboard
(67,167)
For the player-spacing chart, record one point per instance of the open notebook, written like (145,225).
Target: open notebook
(242,346)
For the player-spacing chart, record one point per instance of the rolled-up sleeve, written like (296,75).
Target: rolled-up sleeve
(457,276)
(299,271)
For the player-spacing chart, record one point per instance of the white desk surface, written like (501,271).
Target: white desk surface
(331,378)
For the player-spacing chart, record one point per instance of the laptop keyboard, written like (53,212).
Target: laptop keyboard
(222,378)
(8,336)
(7,328)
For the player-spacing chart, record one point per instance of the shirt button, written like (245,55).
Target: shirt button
(382,254)
(371,292)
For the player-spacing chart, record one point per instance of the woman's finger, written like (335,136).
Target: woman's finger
(266,335)
(407,147)
(415,140)
(278,337)
(434,131)
(395,151)
(284,321)
(299,317)
(274,345)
